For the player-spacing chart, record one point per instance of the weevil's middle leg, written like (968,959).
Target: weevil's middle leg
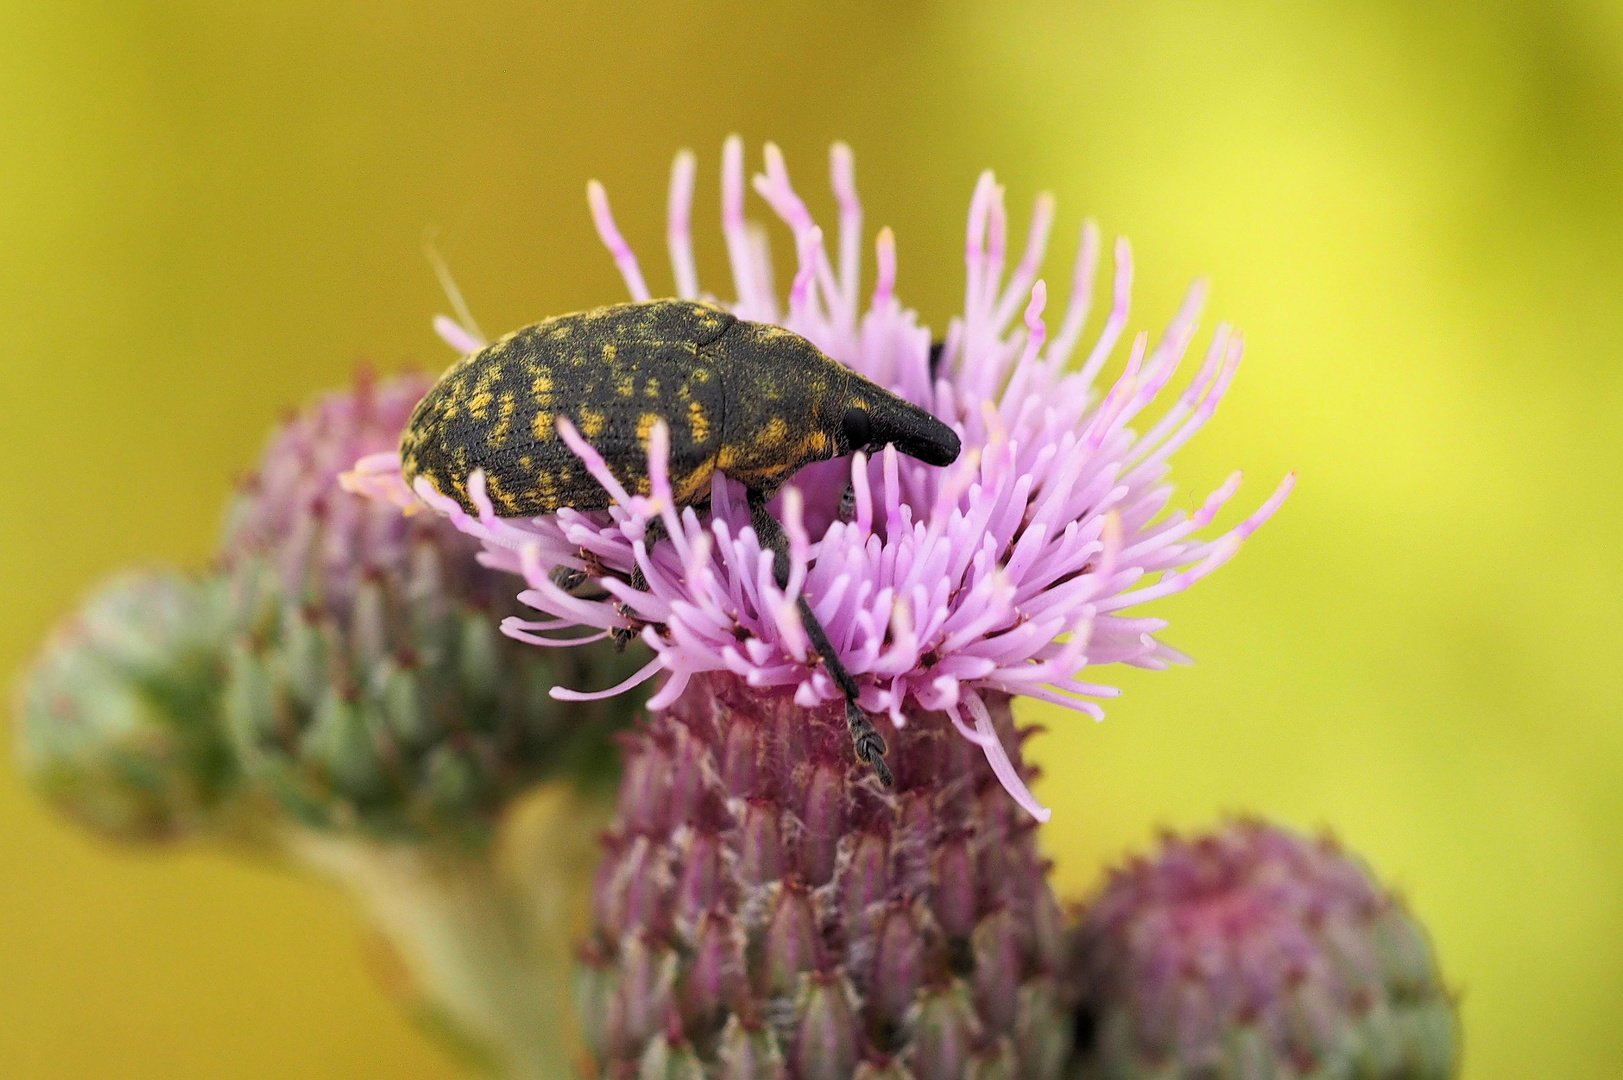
(869,745)
(653,533)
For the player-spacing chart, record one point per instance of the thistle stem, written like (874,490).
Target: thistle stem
(483,932)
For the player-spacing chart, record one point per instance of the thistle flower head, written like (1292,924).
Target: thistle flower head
(367,684)
(120,714)
(1253,951)
(1010,572)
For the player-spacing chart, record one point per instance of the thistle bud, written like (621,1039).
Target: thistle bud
(368,684)
(819,924)
(1255,952)
(119,718)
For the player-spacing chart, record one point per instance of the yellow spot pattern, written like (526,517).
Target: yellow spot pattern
(775,433)
(504,422)
(591,422)
(698,422)
(645,424)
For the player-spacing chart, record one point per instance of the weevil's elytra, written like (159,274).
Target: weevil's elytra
(590,367)
(752,401)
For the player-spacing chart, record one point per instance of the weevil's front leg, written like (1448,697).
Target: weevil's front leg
(870,747)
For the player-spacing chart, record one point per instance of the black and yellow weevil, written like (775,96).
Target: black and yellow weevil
(752,401)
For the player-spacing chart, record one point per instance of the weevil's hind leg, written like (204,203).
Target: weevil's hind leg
(869,745)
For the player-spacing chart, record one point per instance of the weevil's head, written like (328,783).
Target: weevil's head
(789,405)
(872,416)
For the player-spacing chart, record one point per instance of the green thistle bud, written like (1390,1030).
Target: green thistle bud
(1255,952)
(120,715)
(367,684)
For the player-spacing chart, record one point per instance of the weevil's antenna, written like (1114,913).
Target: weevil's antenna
(448,283)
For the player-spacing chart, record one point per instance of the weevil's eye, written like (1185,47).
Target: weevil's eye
(858,431)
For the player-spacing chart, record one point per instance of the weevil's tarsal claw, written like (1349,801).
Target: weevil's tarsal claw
(870,747)
(624,635)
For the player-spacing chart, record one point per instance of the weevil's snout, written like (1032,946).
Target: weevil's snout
(934,444)
(915,432)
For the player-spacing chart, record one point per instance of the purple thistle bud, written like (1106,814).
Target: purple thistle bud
(1010,572)
(774,970)
(1253,951)
(367,683)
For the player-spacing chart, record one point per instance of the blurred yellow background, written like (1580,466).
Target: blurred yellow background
(209,211)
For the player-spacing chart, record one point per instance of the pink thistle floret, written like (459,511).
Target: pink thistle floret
(1010,571)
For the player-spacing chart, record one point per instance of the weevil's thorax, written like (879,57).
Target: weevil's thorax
(783,404)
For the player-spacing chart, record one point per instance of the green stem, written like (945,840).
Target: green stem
(484,933)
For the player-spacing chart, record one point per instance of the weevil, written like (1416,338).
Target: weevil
(752,401)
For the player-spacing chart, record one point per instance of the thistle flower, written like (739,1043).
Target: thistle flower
(119,717)
(368,685)
(1254,952)
(765,909)
(1008,573)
